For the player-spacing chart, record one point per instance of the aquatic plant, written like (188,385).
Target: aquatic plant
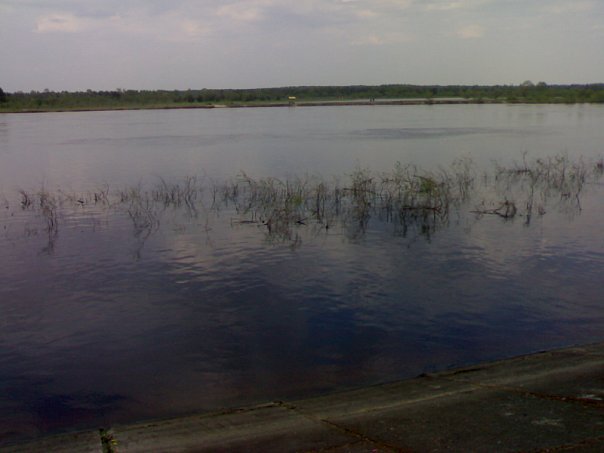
(177,194)
(599,167)
(26,199)
(406,197)
(534,184)
(45,204)
(48,207)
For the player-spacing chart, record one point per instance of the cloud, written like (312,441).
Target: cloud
(397,3)
(374,39)
(366,13)
(169,27)
(472,31)
(64,23)
(194,29)
(241,12)
(440,5)
(371,40)
(576,6)
(197,18)
(213,42)
(71,16)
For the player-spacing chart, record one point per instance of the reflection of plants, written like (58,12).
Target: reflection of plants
(536,183)
(599,167)
(177,194)
(463,174)
(45,204)
(404,195)
(505,209)
(26,199)
(101,195)
(48,207)
(143,215)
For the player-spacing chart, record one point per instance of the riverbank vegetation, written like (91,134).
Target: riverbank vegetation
(526,92)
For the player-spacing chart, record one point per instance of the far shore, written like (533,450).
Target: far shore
(318,103)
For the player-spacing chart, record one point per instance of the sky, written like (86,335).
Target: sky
(180,44)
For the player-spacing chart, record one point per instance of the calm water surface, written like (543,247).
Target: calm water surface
(103,323)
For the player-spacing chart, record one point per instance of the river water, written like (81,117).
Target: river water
(111,314)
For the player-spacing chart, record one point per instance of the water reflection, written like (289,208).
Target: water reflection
(3,132)
(158,300)
(430,132)
(120,148)
(209,325)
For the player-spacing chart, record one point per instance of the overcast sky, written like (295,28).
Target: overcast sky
(180,44)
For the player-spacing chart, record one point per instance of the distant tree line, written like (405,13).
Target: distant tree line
(119,98)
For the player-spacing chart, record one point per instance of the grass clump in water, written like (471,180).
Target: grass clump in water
(406,197)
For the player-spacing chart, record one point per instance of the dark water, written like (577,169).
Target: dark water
(101,322)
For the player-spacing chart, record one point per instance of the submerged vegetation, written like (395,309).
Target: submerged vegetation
(529,187)
(128,99)
(410,200)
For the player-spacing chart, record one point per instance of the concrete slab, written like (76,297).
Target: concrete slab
(583,385)
(379,398)
(589,446)
(360,447)
(266,428)
(526,369)
(591,349)
(83,442)
(483,420)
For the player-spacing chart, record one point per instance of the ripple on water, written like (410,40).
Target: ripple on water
(192,313)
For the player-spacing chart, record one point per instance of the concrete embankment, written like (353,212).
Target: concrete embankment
(551,401)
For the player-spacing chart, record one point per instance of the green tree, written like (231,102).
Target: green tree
(3,97)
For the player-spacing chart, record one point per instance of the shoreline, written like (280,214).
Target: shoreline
(544,401)
(318,103)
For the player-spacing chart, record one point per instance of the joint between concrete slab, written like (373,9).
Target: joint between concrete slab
(564,399)
(351,446)
(570,447)
(344,430)
(545,396)
(362,437)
